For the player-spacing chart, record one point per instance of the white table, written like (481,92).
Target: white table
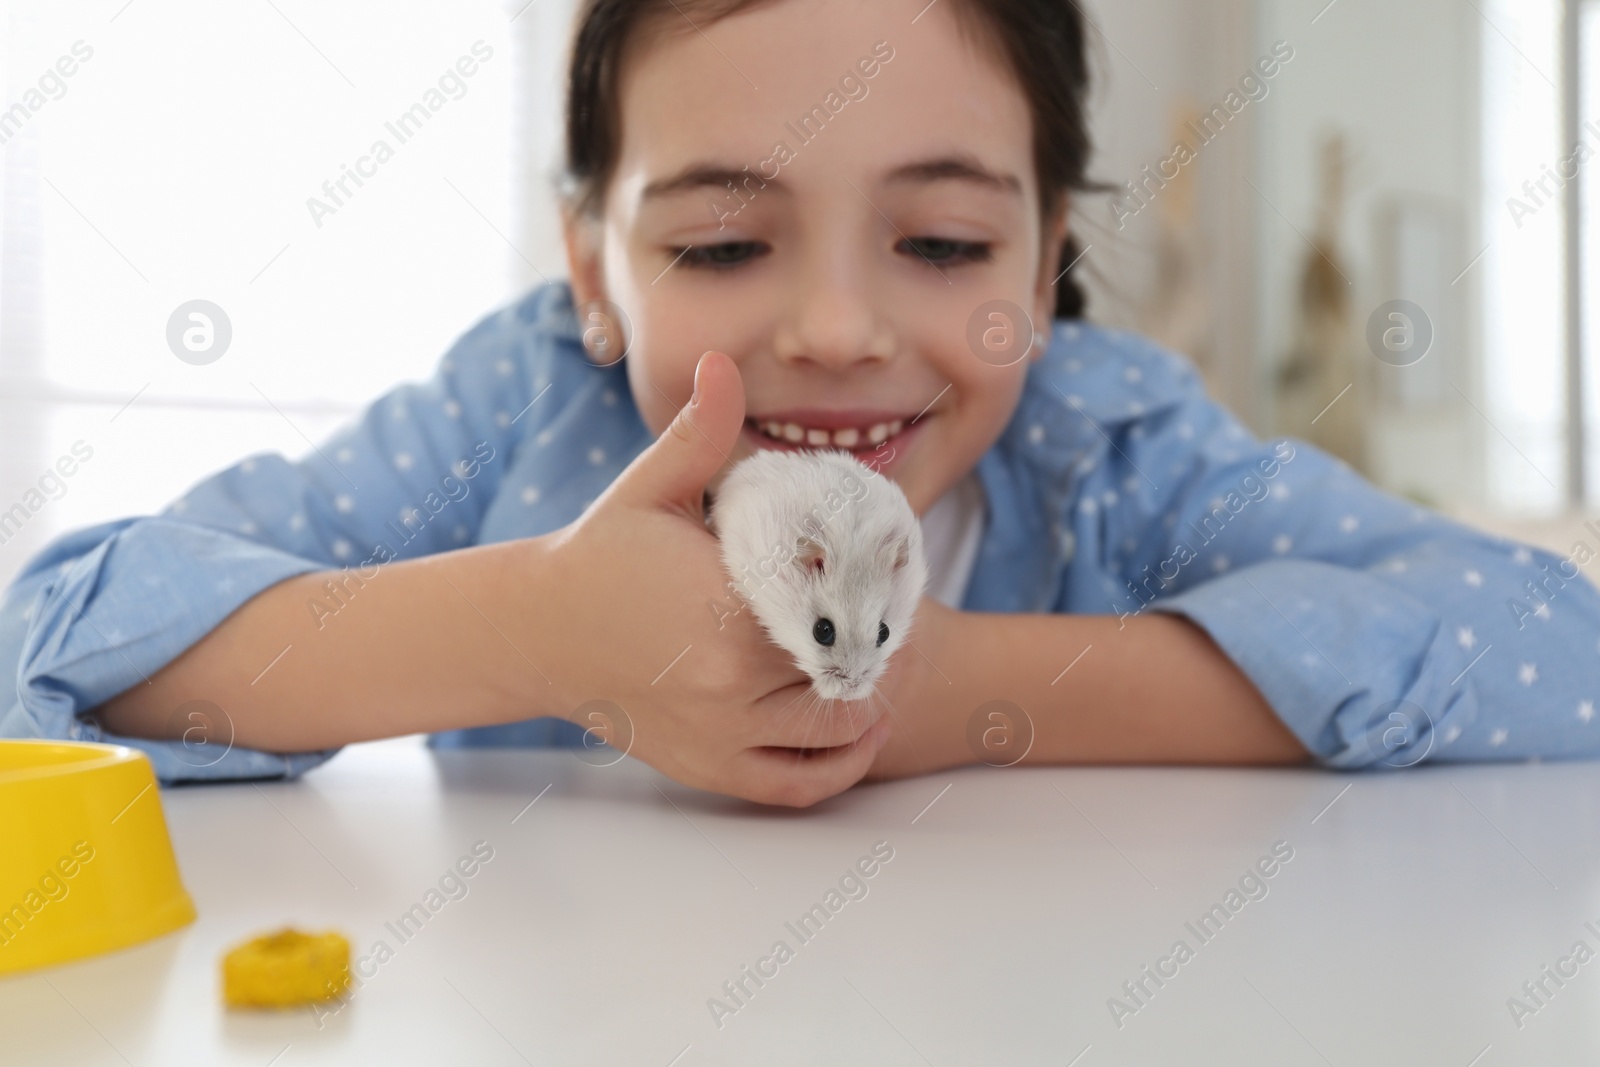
(1016,904)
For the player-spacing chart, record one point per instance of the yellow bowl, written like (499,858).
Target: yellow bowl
(86,865)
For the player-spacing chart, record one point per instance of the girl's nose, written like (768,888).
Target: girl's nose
(834,324)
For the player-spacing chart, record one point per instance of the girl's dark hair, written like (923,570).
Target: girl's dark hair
(1040,41)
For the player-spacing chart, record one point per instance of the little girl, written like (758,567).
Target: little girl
(831,224)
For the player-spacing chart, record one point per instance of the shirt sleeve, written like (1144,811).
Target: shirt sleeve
(1381,633)
(101,609)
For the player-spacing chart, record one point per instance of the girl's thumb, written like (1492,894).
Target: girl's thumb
(677,467)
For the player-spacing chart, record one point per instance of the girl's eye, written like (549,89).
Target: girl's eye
(823,631)
(941,251)
(883,632)
(719,256)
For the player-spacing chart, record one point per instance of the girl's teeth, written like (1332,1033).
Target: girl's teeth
(849,437)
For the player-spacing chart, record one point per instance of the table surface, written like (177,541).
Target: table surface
(1015,906)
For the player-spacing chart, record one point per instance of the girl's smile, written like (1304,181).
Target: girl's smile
(878,439)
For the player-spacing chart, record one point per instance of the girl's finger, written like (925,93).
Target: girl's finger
(674,470)
(795,717)
(791,778)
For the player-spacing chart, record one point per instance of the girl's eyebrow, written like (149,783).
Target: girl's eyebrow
(958,167)
(707,175)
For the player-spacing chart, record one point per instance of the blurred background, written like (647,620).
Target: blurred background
(1372,224)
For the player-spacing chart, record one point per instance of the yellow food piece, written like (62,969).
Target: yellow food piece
(285,969)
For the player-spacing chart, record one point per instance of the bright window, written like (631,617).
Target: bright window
(1523,275)
(231,153)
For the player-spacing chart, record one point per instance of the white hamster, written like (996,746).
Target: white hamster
(828,554)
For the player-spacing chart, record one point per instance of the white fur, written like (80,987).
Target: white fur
(775,513)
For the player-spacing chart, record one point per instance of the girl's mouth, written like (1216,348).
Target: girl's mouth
(850,438)
(876,442)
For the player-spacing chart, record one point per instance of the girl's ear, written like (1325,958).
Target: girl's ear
(583,240)
(1044,301)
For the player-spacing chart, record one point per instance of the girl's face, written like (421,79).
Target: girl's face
(846,286)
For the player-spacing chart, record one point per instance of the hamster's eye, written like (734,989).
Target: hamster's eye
(883,632)
(823,631)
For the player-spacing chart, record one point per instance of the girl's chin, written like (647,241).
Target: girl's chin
(886,458)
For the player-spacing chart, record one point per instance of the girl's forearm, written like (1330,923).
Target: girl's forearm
(435,643)
(1150,689)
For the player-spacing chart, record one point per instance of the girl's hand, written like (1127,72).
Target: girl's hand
(635,610)
(920,692)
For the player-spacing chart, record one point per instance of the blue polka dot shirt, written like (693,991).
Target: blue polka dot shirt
(1384,635)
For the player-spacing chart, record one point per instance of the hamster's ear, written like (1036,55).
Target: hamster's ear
(809,555)
(900,547)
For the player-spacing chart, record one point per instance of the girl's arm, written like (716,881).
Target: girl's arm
(1379,633)
(421,645)
(607,621)
(104,609)
(1010,689)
